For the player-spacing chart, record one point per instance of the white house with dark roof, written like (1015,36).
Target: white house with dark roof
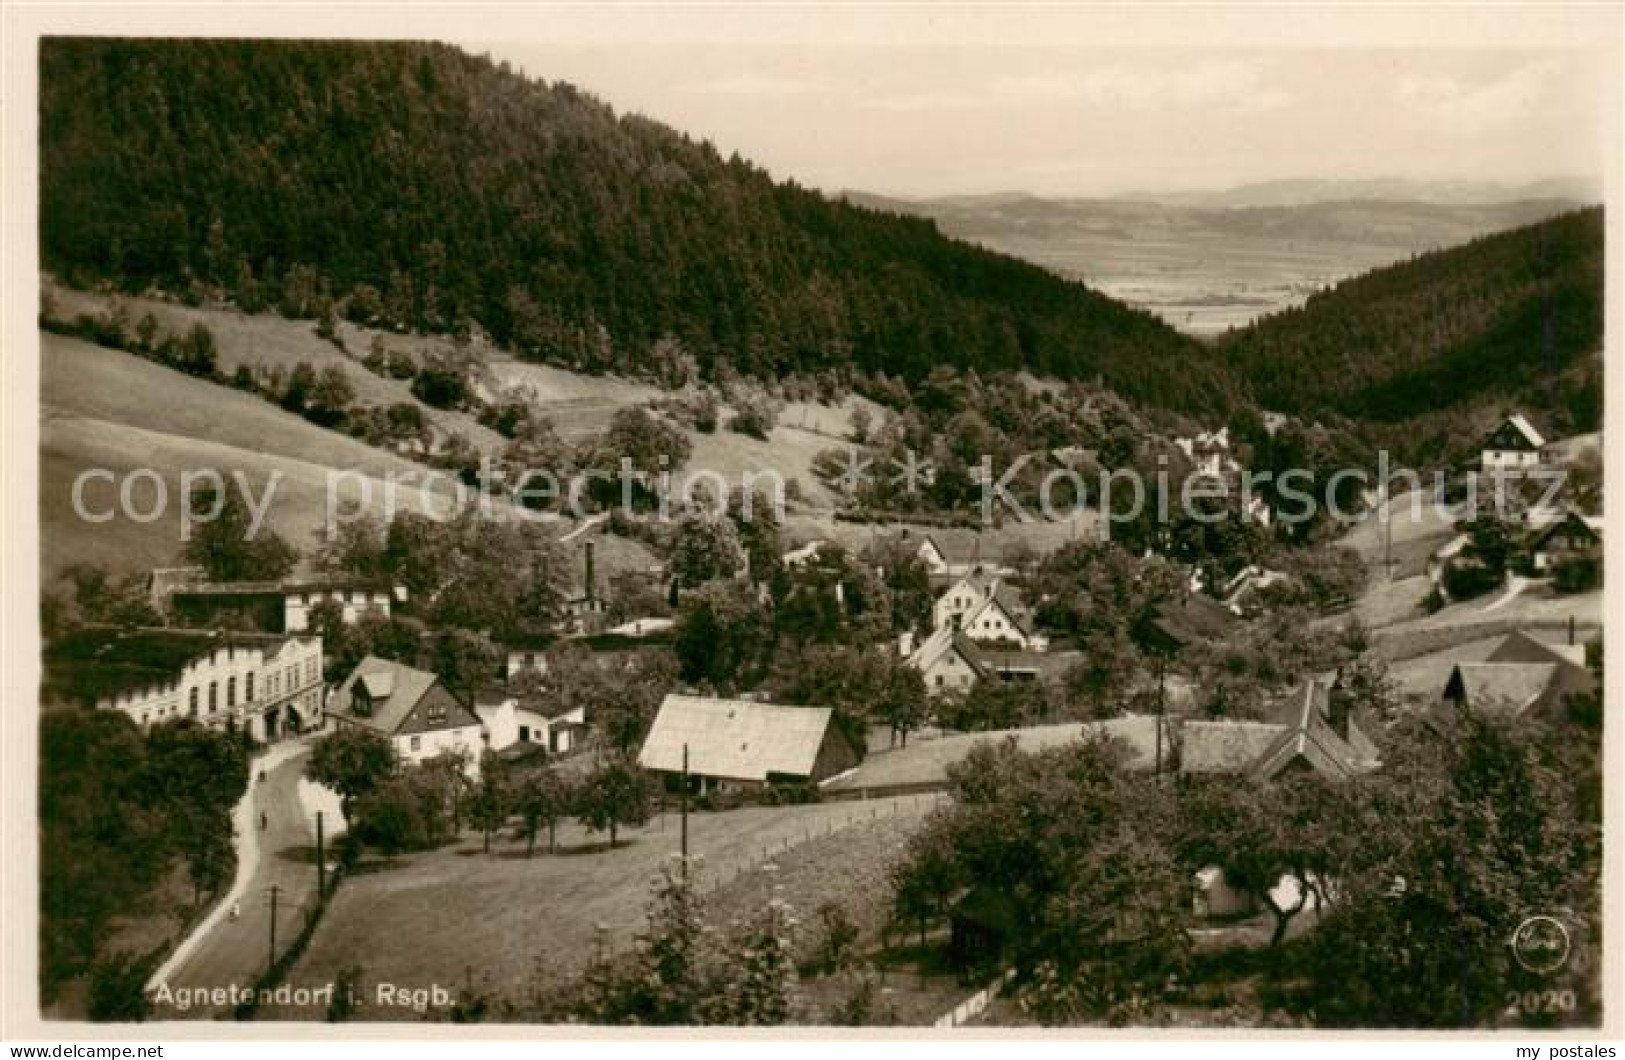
(410,708)
(1514,445)
(733,743)
(1560,536)
(529,721)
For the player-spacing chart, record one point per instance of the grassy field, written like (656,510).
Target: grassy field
(268,340)
(105,409)
(533,923)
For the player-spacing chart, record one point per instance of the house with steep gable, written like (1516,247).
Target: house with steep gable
(1514,445)
(412,709)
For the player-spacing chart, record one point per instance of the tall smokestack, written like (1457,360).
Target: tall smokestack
(591,593)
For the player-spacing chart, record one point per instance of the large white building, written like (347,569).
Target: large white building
(267,685)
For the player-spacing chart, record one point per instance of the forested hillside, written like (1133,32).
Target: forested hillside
(1515,316)
(414,187)
(421,188)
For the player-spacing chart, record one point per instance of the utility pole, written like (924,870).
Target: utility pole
(321,861)
(270,960)
(685,811)
(1162,669)
(1387,533)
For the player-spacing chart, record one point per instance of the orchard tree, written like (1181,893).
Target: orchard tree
(542,797)
(616,793)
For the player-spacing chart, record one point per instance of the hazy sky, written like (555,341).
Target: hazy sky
(923,104)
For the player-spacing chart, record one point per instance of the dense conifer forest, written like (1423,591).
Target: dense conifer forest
(1516,315)
(426,189)
(416,187)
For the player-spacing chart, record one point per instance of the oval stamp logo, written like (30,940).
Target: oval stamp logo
(1541,944)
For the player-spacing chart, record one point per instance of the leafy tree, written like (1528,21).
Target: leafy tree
(720,636)
(1463,832)
(493,796)
(616,793)
(229,547)
(705,549)
(118,989)
(332,394)
(542,797)
(351,761)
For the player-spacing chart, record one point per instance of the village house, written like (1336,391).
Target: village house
(1209,453)
(954,553)
(525,653)
(1523,677)
(948,661)
(1312,729)
(1241,591)
(1211,458)
(273,606)
(740,744)
(511,721)
(1564,537)
(266,685)
(988,610)
(1193,619)
(1514,446)
(411,709)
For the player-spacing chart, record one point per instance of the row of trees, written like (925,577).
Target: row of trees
(395,808)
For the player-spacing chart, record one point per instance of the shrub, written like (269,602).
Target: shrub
(754,421)
(1577,574)
(1465,580)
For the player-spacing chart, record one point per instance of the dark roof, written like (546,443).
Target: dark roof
(100,662)
(1300,730)
(1571,523)
(282,588)
(1194,618)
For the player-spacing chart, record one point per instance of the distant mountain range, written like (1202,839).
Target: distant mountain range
(1306,192)
(1291,192)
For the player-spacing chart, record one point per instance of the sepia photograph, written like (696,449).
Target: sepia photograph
(829,518)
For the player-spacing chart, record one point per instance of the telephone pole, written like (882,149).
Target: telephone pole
(321,861)
(1162,671)
(270,960)
(685,812)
